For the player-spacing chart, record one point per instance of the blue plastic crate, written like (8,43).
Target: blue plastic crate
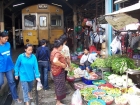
(86,81)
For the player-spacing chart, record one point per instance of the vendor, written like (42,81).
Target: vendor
(87,59)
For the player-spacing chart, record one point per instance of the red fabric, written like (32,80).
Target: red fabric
(56,70)
(92,49)
(80,56)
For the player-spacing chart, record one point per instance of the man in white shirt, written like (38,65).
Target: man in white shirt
(87,59)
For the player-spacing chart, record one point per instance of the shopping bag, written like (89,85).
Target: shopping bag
(39,86)
(76,98)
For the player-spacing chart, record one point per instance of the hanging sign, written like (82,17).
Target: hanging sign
(42,6)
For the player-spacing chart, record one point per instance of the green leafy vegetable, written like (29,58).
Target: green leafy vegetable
(99,63)
(71,73)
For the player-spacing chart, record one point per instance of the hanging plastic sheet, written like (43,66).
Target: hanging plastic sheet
(124,16)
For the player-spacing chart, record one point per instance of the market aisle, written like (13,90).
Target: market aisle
(46,97)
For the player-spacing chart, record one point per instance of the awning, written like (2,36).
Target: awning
(119,19)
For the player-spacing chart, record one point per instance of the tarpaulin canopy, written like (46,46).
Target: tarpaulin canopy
(119,19)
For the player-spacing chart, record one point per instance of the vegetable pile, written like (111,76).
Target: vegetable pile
(107,98)
(70,73)
(115,92)
(86,91)
(119,63)
(120,81)
(99,63)
(99,93)
(90,97)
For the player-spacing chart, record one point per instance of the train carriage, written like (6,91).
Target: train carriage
(42,21)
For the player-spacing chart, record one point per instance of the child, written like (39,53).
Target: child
(26,68)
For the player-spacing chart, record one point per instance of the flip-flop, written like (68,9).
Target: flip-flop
(30,98)
(18,101)
(60,104)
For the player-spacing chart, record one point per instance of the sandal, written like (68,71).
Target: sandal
(60,104)
(30,98)
(18,101)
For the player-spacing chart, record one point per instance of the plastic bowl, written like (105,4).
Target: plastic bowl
(99,92)
(70,79)
(97,100)
(108,102)
(106,85)
(98,82)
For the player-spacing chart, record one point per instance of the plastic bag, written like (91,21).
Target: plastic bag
(51,75)
(39,86)
(96,38)
(76,98)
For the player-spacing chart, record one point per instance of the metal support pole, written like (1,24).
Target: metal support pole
(1,16)
(13,27)
(109,9)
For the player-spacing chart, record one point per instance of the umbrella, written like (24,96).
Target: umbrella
(119,19)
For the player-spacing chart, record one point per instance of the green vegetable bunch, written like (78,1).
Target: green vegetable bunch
(99,63)
(71,73)
(120,64)
(74,65)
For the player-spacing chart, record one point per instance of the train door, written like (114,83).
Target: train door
(57,27)
(43,25)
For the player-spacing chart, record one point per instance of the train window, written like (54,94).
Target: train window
(56,20)
(30,20)
(43,21)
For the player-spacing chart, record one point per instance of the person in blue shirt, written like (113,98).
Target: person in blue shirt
(6,65)
(43,57)
(26,68)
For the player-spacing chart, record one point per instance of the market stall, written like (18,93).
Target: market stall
(108,83)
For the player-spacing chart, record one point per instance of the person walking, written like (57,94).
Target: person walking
(43,57)
(58,64)
(26,68)
(7,65)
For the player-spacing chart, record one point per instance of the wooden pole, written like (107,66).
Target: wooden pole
(75,24)
(13,28)
(1,16)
